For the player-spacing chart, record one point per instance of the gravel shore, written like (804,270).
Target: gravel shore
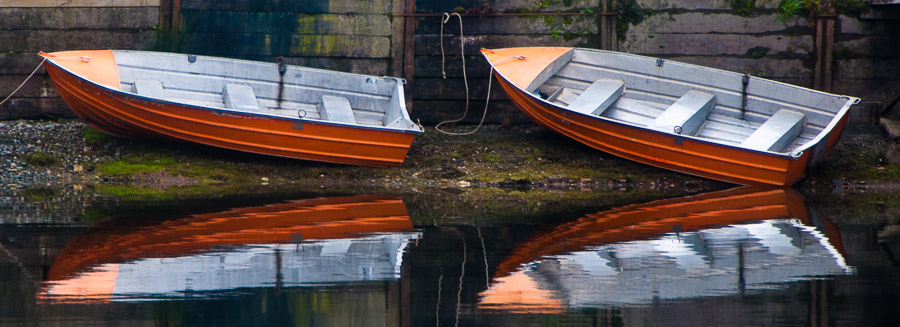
(58,139)
(56,153)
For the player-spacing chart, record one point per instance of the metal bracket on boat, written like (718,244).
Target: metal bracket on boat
(744,82)
(402,81)
(282,68)
(796,154)
(192,59)
(660,62)
(371,81)
(85,59)
(298,125)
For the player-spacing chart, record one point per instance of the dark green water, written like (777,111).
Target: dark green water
(740,257)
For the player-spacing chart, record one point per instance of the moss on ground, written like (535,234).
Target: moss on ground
(40,159)
(484,165)
(94,137)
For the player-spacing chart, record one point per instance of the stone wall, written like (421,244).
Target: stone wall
(402,38)
(27,27)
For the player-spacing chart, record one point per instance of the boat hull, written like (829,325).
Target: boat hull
(130,115)
(685,154)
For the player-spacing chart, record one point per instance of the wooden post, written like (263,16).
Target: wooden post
(409,41)
(403,30)
(170,23)
(608,37)
(398,24)
(823,76)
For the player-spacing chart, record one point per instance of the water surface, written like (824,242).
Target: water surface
(744,256)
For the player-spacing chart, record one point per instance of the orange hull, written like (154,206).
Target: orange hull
(684,154)
(648,220)
(291,222)
(607,257)
(91,91)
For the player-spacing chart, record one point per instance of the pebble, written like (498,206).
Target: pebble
(60,138)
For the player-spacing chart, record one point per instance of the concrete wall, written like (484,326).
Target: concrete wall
(27,27)
(372,37)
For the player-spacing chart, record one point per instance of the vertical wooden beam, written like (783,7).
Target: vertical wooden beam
(398,25)
(409,41)
(604,34)
(613,28)
(170,21)
(608,38)
(823,75)
(409,50)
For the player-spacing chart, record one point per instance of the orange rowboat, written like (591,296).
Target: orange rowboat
(322,240)
(717,243)
(687,118)
(265,108)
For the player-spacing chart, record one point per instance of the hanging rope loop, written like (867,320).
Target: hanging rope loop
(462,49)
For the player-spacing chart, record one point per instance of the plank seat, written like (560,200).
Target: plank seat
(240,97)
(149,88)
(778,132)
(598,97)
(336,109)
(687,114)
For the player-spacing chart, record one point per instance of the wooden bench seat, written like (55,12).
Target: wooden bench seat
(149,88)
(686,115)
(336,109)
(598,97)
(778,132)
(240,97)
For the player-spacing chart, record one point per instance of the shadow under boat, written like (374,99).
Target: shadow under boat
(713,244)
(314,242)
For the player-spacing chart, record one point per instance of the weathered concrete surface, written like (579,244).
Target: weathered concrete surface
(308,6)
(700,5)
(277,23)
(79,18)
(713,22)
(717,44)
(361,36)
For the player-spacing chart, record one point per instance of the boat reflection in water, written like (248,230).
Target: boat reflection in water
(316,242)
(714,244)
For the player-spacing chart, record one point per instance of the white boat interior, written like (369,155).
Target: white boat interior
(307,264)
(265,88)
(690,100)
(719,261)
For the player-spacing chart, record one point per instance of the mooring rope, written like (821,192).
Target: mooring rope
(462,47)
(23,82)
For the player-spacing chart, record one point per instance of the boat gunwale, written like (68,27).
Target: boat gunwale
(400,83)
(795,154)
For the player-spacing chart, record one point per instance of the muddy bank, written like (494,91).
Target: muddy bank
(66,154)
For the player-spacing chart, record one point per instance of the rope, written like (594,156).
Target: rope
(462,47)
(23,82)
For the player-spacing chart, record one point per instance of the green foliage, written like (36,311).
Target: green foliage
(788,9)
(791,9)
(757,52)
(629,13)
(40,159)
(744,7)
